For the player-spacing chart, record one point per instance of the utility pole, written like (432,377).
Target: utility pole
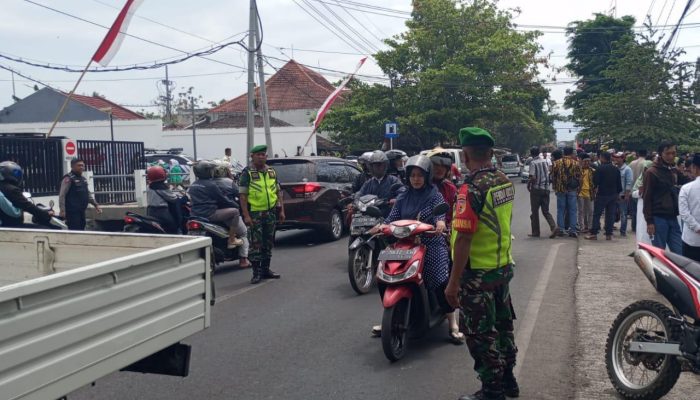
(168,110)
(251,77)
(194,129)
(14,94)
(263,94)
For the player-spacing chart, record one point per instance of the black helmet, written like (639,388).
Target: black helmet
(419,161)
(11,172)
(441,157)
(395,153)
(204,169)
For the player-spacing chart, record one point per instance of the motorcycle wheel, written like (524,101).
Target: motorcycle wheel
(395,330)
(131,228)
(361,270)
(642,376)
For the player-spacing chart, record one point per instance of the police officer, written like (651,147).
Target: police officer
(262,206)
(75,196)
(483,267)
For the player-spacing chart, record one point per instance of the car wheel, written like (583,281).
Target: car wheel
(334,230)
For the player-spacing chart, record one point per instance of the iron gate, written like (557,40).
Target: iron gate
(40,159)
(113,165)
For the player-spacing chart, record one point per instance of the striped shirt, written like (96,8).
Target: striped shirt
(539,169)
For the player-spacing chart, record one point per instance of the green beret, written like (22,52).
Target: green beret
(261,148)
(473,136)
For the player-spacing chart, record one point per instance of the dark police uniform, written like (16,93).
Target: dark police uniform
(74,198)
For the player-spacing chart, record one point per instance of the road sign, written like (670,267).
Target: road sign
(70,148)
(391,130)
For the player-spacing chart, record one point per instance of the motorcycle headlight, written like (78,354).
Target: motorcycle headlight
(407,274)
(403,231)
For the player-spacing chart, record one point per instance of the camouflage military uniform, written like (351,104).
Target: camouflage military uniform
(487,312)
(262,235)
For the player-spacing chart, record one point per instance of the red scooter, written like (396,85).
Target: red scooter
(649,342)
(410,309)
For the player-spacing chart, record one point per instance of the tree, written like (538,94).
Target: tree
(591,45)
(650,98)
(458,64)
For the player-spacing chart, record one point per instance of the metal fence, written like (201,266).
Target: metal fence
(41,160)
(113,165)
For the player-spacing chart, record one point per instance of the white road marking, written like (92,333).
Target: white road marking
(527,326)
(241,291)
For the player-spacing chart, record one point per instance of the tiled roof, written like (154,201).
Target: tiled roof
(118,112)
(240,121)
(293,87)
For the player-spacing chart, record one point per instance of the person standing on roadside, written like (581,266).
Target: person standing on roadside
(262,206)
(586,194)
(627,182)
(74,196)
(637,167)
(483,267)
(538,186)
(661,200)
(566,178)
(689,208)
(608,186)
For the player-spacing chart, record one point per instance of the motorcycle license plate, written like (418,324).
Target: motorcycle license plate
(363,221)
(396,254)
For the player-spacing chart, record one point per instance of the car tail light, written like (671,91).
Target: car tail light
(306,189)
(193,226)
(129,220)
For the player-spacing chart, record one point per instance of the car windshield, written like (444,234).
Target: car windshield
(292,170)
(510,158)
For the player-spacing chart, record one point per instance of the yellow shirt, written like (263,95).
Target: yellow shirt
(586,183)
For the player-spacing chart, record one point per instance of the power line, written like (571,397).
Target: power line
(325,26)
(359,45)
(352,29)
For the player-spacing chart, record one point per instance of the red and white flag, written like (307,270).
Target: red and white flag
(111,43)
(333,96)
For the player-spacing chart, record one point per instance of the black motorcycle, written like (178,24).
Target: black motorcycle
(137,223)
(219,236)
(364,247)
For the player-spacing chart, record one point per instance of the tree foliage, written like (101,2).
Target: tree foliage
(458,64)
(646,97)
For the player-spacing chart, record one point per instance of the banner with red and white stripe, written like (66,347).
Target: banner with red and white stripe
(113,40)
(333,96)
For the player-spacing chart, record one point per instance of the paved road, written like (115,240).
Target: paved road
(306,336)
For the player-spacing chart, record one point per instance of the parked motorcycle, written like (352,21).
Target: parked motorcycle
(364,247)
(648,342)
(410,309)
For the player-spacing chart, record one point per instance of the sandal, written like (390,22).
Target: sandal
(377,331)
(456,337)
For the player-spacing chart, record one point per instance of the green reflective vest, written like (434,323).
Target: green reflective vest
(262,190)
(492,244)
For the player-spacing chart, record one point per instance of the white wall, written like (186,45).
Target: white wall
(295,117)
(210,142)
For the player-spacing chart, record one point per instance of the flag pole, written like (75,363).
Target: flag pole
(68,98)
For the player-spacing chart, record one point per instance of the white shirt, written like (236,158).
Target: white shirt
(689,207)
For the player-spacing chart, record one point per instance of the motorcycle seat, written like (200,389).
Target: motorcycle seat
(692,267)
(200,219)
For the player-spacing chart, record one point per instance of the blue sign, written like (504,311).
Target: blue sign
(391,130)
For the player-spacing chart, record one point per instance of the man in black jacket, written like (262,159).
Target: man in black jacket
(10,178)
(74,196)
(608,186)
(661,182)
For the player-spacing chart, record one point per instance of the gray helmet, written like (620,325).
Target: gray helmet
(204,169)
(222,169)
(364,158)
(419,161)
(396,153)
(378,156)
(11,172)
(441,158)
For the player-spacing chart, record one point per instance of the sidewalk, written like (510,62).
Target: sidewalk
(608,281)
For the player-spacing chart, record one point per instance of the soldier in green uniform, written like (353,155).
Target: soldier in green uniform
(262,206)
(483,267)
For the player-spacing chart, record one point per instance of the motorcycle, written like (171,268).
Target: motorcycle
(649,343)
(137,223)
(364,247)
(219,236)
(410,309)
(54,222)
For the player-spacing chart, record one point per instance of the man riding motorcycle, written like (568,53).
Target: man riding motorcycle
(209,202)
(363,162)
(380,184)
(397,160)
(10,177)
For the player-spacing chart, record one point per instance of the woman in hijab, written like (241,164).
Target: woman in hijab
(418,202)
(175,173)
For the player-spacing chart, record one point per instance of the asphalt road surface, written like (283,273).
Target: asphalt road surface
(307,336)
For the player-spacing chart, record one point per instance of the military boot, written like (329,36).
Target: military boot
(256,273)
(509,384)
(487,392)
(266,272)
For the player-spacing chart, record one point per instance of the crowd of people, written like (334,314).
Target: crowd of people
(653,193)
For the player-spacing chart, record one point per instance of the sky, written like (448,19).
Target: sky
(173,28)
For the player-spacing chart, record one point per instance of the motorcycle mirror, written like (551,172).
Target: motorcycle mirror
(27,195)
(441,209)
(374,212)
(51,204)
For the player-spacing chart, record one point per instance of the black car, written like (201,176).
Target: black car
(315,191)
